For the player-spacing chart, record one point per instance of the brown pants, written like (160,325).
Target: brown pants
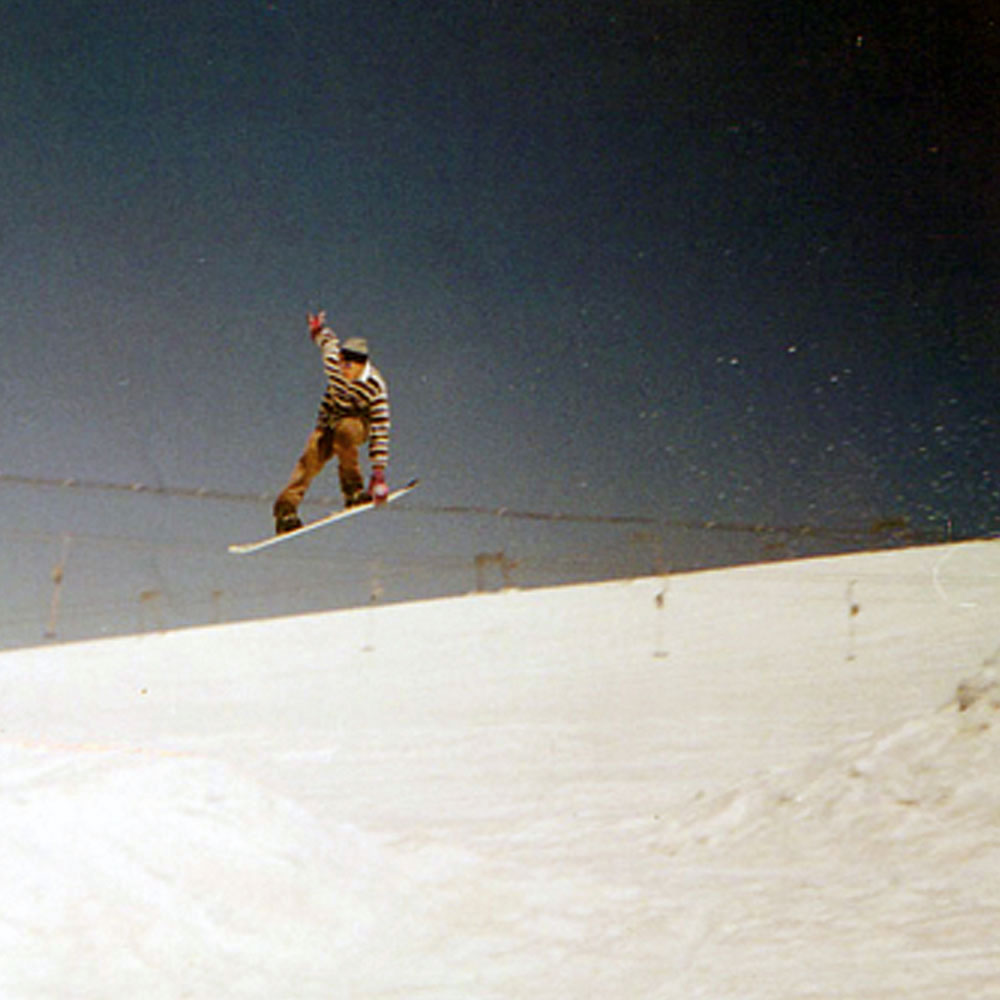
(342,440)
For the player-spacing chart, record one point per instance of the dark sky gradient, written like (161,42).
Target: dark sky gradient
(731,261)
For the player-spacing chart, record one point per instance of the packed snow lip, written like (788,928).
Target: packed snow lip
(770,781)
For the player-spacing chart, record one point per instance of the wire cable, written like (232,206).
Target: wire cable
(882,529)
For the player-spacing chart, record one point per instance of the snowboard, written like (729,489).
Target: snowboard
(244,548)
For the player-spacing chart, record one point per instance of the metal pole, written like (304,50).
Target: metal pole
(58,574)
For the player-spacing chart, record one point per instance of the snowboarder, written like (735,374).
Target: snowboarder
(354,409)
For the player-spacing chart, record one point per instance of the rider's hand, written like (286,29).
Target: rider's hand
(316,323)
(378,488)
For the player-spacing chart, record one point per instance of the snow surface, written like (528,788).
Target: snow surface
(777,781)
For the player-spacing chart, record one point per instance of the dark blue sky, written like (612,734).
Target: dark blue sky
(731,261)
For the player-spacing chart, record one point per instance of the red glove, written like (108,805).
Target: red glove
(316,323)
(377,487)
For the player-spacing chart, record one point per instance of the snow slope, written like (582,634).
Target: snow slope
(775,781)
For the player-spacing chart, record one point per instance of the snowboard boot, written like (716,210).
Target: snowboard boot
(353,487)
(356,497)
(286,518)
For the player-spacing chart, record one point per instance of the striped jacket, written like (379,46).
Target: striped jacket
(367,398)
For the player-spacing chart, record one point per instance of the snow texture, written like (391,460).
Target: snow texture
(778,781)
